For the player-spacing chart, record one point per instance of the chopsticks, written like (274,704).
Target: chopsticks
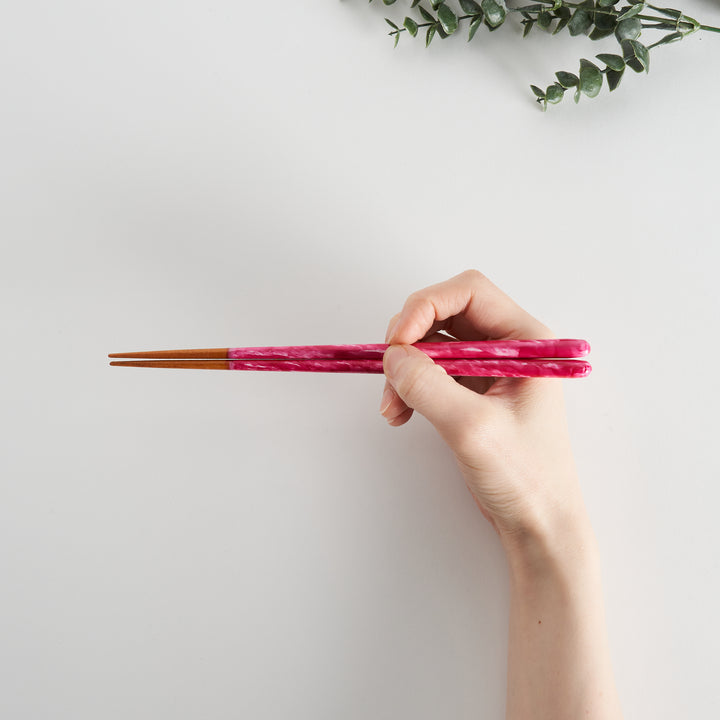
(489,358)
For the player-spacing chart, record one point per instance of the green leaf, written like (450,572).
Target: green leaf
(566,79)
(411,26)
(436,3)
(414,3)
(563,14)
(474,25)
(388,2)
(426,15)
(629,56)
(590,78)
(632,11)
(528,27)
(580,22)
(554,93)
(614,62)
(598,34)
(448,19)
(642,54)
(470,7)
(604,21)
(391,23)
(430,34)
(544,19)
(606,3)
(664,26)
(628,29)
(397,39)
(576,97)
(540,93)
(494,13)
(613,78)
(671,38)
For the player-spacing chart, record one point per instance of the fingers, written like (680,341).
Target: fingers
(391,326)
(456,328)
(392,406)
(424,386)
(467,306)
(396,412)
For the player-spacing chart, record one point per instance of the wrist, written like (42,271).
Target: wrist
(555,544)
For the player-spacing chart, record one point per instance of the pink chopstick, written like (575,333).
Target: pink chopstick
(455,367)
(491,358)
(551,348)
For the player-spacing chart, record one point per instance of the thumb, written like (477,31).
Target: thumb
(427,388)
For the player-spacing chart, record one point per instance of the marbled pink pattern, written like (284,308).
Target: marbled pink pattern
(458,368)
(552,348)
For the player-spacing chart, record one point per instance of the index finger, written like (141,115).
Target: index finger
(469,307)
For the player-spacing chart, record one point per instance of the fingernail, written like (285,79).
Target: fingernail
(387,398)
(395,356)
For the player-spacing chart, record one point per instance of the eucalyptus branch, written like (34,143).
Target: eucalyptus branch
(595,18)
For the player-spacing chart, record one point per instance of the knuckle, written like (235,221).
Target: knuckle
(416,299)
(473,275)
(419,312)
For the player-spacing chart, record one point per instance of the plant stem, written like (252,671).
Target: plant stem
(664,21)
(676,23)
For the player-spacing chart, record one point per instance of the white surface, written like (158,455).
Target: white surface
(235,545)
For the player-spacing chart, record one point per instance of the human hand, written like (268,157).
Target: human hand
(509,435)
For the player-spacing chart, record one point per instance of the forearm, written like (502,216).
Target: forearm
(558,658)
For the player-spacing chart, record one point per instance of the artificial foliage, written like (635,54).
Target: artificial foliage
(597,19)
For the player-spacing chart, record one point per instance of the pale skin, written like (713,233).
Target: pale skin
(511,442)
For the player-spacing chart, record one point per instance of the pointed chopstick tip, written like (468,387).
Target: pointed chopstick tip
(200,354)
(201,364)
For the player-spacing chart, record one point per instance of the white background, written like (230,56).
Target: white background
(225,545)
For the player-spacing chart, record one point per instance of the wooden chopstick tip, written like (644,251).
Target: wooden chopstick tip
(185,354)
(206,364)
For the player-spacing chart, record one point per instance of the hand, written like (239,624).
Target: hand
(510,438)
(509,435)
